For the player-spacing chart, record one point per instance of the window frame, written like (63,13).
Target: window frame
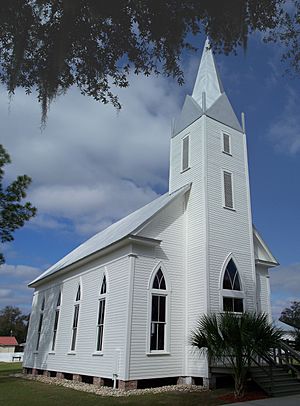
(226,171)
(76,314)
(185,137)
(102,298)
(225,133)
(231,293)
(56,321)
(164,293)
(40,324)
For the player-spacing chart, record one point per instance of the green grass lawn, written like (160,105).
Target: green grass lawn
(21,392)
(7,368)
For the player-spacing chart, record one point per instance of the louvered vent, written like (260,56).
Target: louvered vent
(228,190)
(226,143)
(185,153)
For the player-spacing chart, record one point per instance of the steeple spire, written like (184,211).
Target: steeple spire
(208,80)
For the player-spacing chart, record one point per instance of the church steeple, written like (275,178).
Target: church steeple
(208,90)
(208,79)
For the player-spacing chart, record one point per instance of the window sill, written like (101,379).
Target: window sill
(229,208)
(35,352)
(71,353)
(155,353)
(227,153)
(186,169)
(97,354)
(51,352)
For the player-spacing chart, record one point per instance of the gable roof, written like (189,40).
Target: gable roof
(190,112)
(5,340)
(114,233)
(262,253)
(222,111)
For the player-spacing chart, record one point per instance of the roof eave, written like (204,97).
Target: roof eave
(97,254)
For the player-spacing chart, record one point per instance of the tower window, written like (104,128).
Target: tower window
(228,190)
(158,313)
(185,152)
(226,144)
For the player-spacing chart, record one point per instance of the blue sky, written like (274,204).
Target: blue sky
(93,165)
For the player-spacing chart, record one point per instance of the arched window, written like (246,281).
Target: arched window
(232,289)
(56,317)
(75,318)
(101,314)
(40,324)
(158,312)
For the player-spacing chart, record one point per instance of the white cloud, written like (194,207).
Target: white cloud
(17,271)
(285,282)
(5,293)
(14,281)
(285,130)
(286,279)
(92,164)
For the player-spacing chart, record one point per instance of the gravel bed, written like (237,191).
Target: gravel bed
(106,391)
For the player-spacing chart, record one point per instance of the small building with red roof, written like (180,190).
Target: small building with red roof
(8,344)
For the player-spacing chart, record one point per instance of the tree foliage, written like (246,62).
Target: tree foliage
(50,45)
(13,214)
(13,323)
(291,317)
(234,340)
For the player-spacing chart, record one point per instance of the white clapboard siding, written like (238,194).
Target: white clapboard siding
(263,291)
(195,234)
(83,360)
(229,231)
(166,226)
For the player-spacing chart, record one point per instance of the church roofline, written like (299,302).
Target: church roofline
(107,240)
(273,261)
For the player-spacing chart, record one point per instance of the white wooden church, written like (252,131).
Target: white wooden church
(122,305)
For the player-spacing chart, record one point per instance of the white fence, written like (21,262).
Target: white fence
(11,356)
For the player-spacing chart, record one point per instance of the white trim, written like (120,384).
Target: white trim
(161,265)
(206,211)
(223,132)
(238,294)
(233,208)
(101,296)
(187,135)
(159,292)
(131,272)
(252,254)
(76,303)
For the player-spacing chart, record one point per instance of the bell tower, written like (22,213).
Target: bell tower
(208,150)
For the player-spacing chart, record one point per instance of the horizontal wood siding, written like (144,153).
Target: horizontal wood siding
(195,234)
(82,361)
(166,226)
(229,231)
(263,291)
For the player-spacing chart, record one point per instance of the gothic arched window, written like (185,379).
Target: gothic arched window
(56,318)
(101,315)
(232,289)
(40,324)
(158,312)
(75,318)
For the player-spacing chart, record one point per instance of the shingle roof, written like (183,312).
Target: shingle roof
(8,340)
(114,233)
